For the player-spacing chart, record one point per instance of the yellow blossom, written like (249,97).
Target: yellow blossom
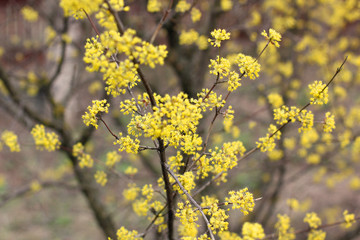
(275,100)
(98,107)
(220,66)
(293,204)
(285,232)
(101,177)
(131,170)
(131,192)
(316,235)
(188,37)
(349,219)
(218,35)
(329,122)
(273,37)
(84,159)
(267,143)
(248,66)
(128,144)
(226,5)
(187,181)
(252,231)
(48,141)
(195,14)
(112,158)
(76,7)
(202,42)
(313,220)
(319,93)
(29,14)
(154,6)
(124,234)
(242,200)
(182,6)
(188,218)
(11,140)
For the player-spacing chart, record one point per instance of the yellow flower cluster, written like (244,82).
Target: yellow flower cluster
(252,231)
(150,55)
(128,144)
(349,219)
(218,220)
(212,101)
(195,14)
(153,6)
(316,235)
(275,100)
(188,217)
(226,5)
(329,122)
(187,181)
(174,119)
(219,35)
(242,200)
(229,236)
(11,140)
(268,143)
(313,220)
(101,177)
(319,93)
(226,158)
(130,170)
(99,106)
(248,66)
(131,192)
(141,206)
(284,231)
(29,14)
(112,158)
(188,37)
(124,234)
(120,75)
(116,76)
(175,162)
(182,6)
(273,37)
(307,120)
(75,7)
(85,159)
(220,66)
(285,114)
(48,141)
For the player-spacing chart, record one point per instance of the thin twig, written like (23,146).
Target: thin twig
(254,149)
(275,235)
(100,118)
(162,21)
(192,200)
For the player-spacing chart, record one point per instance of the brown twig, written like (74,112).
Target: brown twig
(162,21)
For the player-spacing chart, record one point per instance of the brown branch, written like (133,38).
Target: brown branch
(162,21)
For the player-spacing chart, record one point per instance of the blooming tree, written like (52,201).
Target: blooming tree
(203,114)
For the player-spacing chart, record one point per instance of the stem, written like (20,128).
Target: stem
(168,189)
(161,23)
(192,200)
